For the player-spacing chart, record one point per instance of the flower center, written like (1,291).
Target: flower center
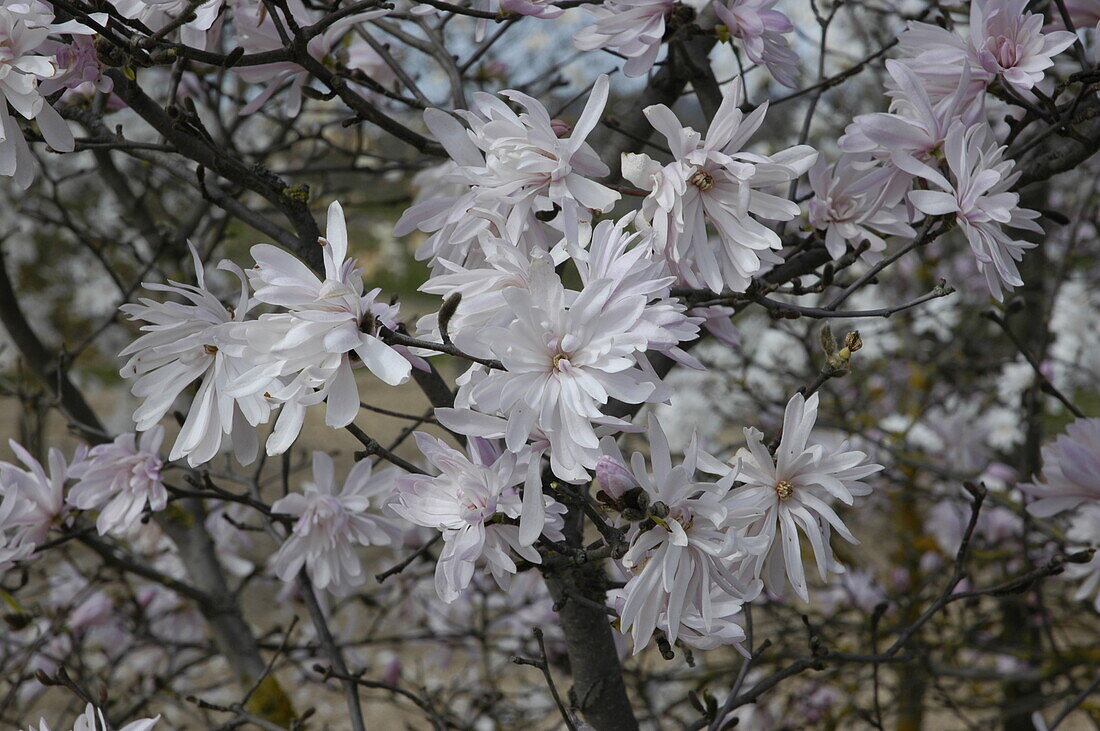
(210,349)
(784,489)
(1006,51)
(561,362)
(842,209)
(702,180)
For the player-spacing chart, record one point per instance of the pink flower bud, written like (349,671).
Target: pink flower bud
(614,477)
(392,674)
(561,127)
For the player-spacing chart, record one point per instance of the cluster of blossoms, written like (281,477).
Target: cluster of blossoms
(699,549)
(33,65)
(120,479)
(512,210)
(250,368)
(936,136)
(40,57)
(530,180)
(528,172)
(548,360)
(560,314)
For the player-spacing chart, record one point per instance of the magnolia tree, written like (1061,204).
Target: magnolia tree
(421,364)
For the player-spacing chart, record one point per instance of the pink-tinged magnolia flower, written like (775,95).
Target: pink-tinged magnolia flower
(565,355)
(714,181)
(328,324)
(26,59)
(1083,533)
(916,124)
(947,521)
(1009,42)
(1071,471)
(332,522)
(794,490)
(514,165)
(42,495)
(200,341)
(467,501)
(79,69)
(119,479)
(762,31)
(156,14)
(1004,41)
(685,550)
(850,206)
(487,427)
(633,28)
(92,720)
(257,30)
(979,195)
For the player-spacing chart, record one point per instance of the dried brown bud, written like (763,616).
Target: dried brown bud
(852,341)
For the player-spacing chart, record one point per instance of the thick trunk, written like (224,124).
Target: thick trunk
(599,691)
(1019,628)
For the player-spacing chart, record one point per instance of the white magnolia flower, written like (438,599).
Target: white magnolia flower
(1071,471)
(468,502)
(629,260)
(119,479)
(330,327)
(851,207)
(1084,532)
(42,495)
(714,181)
(794,490)
(332,522)
(633,28)
(516,165)
(13,508)
(27,58)
(156,14)
(682,555)
(565,355)
(92,720)
(1009,42)
(200,341)
(720,629)
(480,283)
(981,197)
